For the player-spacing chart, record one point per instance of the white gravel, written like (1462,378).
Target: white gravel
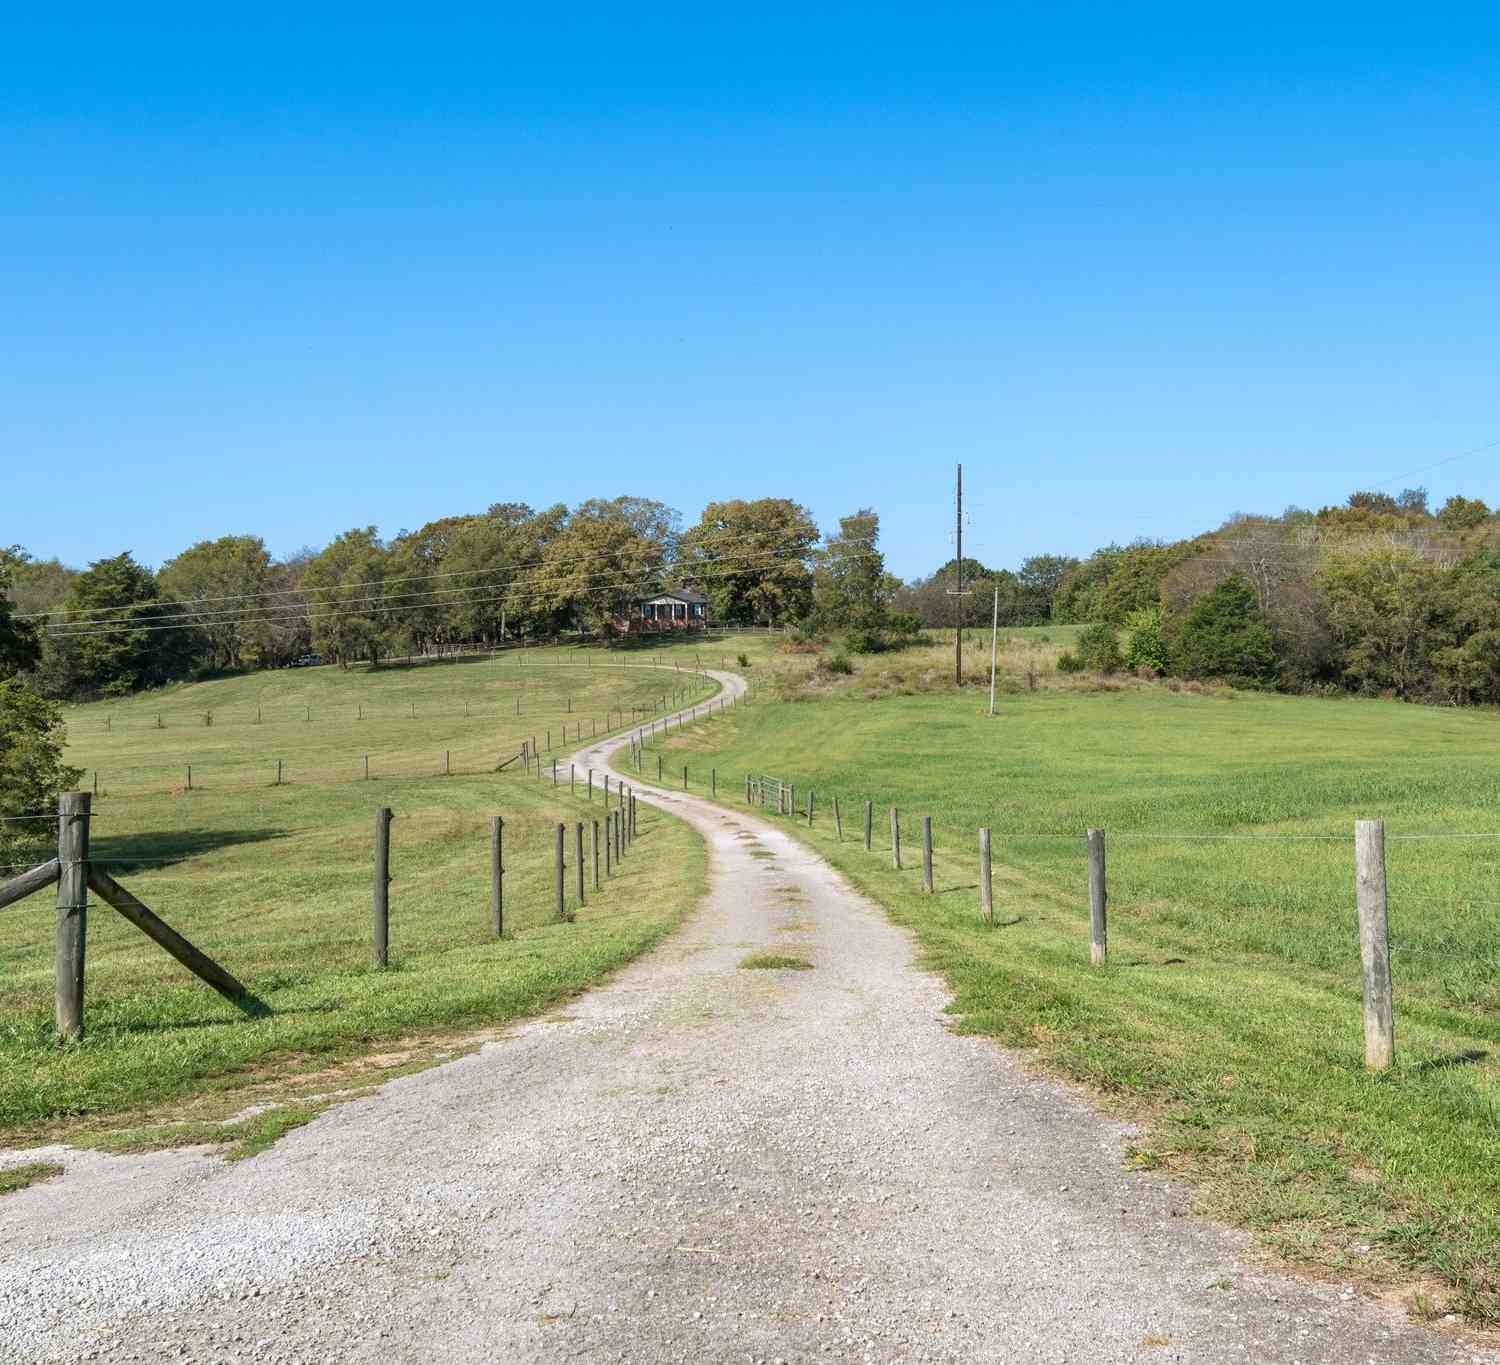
(690,1163)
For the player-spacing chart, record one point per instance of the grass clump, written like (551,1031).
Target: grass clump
(13,1178)
(775,962)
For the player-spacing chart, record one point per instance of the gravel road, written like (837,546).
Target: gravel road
(694,1162)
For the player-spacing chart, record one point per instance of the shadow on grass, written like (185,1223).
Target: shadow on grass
(1154,962)
(129,853)
(1469,1057)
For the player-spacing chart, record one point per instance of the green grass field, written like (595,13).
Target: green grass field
(1229,1014)
(274,882)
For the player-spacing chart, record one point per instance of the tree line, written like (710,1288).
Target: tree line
(1379,596)
(509,573)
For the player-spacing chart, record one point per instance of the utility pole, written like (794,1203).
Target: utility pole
(958,633)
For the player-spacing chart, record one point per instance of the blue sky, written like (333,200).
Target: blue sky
(1136,267)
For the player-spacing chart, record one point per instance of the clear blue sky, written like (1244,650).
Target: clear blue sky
(1137,267)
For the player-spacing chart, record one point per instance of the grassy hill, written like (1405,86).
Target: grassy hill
(1229,1016)
(274,882)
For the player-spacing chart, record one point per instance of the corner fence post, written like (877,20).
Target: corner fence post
(73,809)
(1098,900)
(497,876)
(381,901)
(927,854)
(1374,943)
(895,840)
(986,889)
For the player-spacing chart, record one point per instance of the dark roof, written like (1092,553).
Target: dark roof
(681,594)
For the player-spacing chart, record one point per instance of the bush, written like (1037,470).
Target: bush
(1070,663)
(1224,635)
(835,663)
(864,641)
(1099,648)
(742,659)
(1146,642)
(905,625)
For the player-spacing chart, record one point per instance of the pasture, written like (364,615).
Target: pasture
(1228,1017)
(275,883)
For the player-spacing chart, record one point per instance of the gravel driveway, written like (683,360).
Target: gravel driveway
(694,1162)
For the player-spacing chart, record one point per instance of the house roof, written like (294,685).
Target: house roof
(678,594)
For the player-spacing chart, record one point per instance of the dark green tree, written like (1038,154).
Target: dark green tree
(1224,635)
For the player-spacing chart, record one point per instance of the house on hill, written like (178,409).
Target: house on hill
(672,609)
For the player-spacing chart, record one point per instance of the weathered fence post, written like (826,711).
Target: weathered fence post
(838,821)
(1374,943)
(381,901)
(658,767)
(447,770)
(1098,900)
(590,784)
(895,840)
(869,822)
(190,777)
(554,772)
(927,854)
(986,891)
(278,770)
(684,777)
(632,815)
(497,875)
(609,839)
(558,906)
(594,849)
(713,783)
(578,859)
(73,810)
(572,779)
(606,791)
(367,767)
(619,819)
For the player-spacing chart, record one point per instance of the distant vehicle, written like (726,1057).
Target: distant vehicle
(307,661)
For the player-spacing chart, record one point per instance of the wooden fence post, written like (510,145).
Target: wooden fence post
(190,777)
(447,769)
(73,810)
(632,815)
(590,784)
(713,782)
(895,840)
(578,859)
(1098,900)
(558,906)
(927,854)
(986,890)
(594,849)
(658,767)
(572,779)
(609,839)
(1374,943)
(809,807)
(869,822)
(684,777)
(838,821)
(619,819)
(606,791)
(497,876)
(381,900)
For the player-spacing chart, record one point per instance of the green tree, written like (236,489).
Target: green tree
(607,555)
(1076,597)
(851,589)
(31,771)
(752,559)
(20,650)
(1224,635)
(1391,611)
(1146,639)
(345,585)
(113,635)
(220,584)
(1463,514)
(1038,581)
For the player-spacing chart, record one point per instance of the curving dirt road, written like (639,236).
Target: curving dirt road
(693,1162)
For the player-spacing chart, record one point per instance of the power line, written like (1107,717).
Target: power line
(268,611)
(508,596)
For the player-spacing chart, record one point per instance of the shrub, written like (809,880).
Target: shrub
(864,641)
(1099,648)
(1070,663)
(904,625)
(835,663)
(742,659)
(1224,635)
(1146,641)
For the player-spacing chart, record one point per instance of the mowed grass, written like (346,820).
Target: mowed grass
(409,719)
(275,884)
(1229,1016)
